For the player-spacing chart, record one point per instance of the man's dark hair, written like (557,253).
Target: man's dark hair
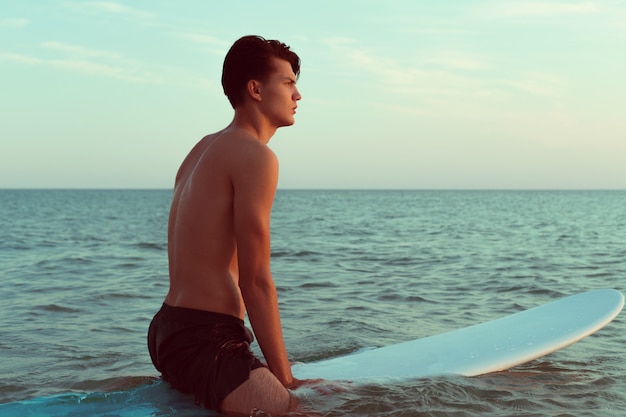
(250,58)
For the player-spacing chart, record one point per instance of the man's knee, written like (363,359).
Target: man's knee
(261,391)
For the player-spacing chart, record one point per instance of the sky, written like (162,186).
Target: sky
(397,94)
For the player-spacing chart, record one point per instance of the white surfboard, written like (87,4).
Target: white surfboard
(483,348)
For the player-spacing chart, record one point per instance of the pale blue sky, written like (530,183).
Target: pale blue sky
(396,94)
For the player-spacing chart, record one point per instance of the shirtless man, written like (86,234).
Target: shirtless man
(219,246)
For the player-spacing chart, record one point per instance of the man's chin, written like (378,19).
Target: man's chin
(286,123)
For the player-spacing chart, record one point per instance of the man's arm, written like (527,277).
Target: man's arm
(254,186)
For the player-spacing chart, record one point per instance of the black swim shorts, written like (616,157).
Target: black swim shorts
(201,352)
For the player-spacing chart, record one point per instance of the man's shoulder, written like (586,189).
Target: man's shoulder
(247,148)
(231,153)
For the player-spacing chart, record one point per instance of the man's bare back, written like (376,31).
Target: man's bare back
(204,271)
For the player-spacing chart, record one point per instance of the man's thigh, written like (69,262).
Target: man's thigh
(261,391)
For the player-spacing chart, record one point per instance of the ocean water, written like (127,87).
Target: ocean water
(83,271)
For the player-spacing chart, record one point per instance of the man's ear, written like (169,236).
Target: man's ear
(254,89)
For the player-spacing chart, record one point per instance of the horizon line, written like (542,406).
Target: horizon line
(312,189)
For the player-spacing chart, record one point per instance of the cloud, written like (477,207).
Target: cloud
(407,72)
(208,43)
(541,9)
(441,31)
(109,7)
(80,51)
(14,22)
(417,85)
(108,64)
(454,60)
(457,83)
(98,62)
(125,73)
(338,41)
(23,59)
(536,85)
(202,39)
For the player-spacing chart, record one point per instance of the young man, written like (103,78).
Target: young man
(219,246)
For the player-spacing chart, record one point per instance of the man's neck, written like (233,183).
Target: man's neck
(254,123)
